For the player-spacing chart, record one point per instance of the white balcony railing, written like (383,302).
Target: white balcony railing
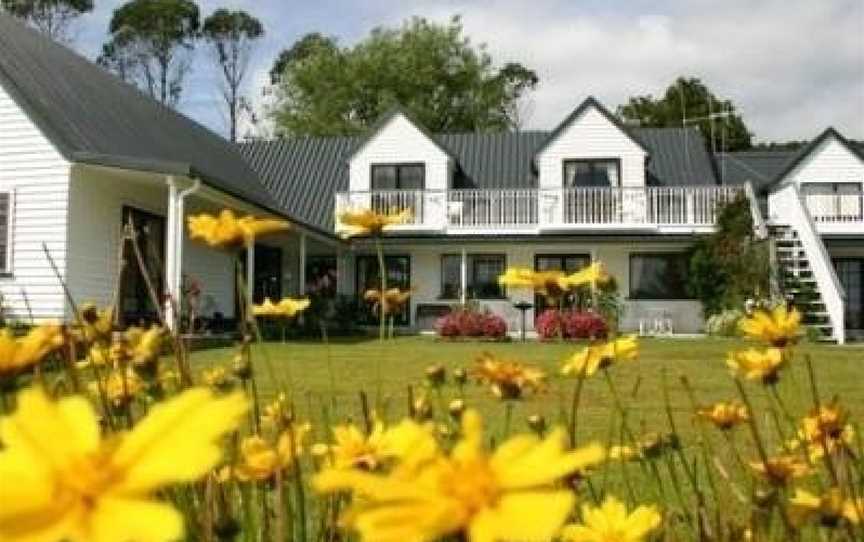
(517,209)
(835,208)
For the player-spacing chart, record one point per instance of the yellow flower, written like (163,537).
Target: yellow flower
(610,522)
(121,387)
(354,449)
(546,283)
(828,509)
(509,494)
(217,377)
(259,460)
(367,222)
(276,413)
(97,324)
(779,328)
(600,356)
(781,469)
(394,298)
(19,353)
(825,428)
(624,453)
(144,347)
(227,230)
(755,365)
(63,481)
(286,308)
(725,415)
(593,275)
(507,379)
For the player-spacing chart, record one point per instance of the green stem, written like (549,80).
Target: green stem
(574,409)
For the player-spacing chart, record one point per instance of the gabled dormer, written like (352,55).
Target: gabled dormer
(399,154)
(591,148)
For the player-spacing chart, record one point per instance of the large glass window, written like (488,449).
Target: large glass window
(398,276)
(451,276)
(592,173)
(483,273)
(850,271)
(659,276)
(398,176)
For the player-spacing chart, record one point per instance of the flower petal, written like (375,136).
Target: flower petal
(135,520)
(536,516)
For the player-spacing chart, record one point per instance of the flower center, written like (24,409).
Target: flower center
(86,478)
(473,484)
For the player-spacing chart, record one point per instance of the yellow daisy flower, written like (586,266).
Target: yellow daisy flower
(367,222)
(509,494)
(121,387)
(19,353)
(828,509)
(97,323)
(781,469)
(63,481)
(259,460)
(286,308)
(593,275)
(725,416)
(610,522)
(229,230)
(394,299)
(507,379)
(599,356)
(762,365)
(779,328)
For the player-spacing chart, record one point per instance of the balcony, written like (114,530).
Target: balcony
(836,213)
(511,211)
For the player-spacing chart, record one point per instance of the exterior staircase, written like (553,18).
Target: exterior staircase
(796,281)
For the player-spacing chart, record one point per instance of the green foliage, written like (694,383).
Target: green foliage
(730,265)
(433,70)
(149,39)
(51,17)
(729,133)
(232,34)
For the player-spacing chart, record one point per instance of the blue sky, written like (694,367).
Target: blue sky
(793,67)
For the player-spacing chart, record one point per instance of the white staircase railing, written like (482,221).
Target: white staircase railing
(788,208)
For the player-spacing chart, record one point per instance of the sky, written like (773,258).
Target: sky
(792,67)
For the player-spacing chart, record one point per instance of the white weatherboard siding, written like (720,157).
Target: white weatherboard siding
(831,162)
(591,135)
(686,315)
(38,176)
(96,210)
(399,141)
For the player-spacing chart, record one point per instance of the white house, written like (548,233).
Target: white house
(81,154)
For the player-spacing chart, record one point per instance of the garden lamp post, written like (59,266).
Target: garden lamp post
(522,307)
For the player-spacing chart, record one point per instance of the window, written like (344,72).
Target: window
(568,263)
(5,230)
(398,276)
(483,273)
(398,176)
(658,276)
(592,173)
(451,276)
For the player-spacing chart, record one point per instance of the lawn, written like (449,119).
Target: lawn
(326,378)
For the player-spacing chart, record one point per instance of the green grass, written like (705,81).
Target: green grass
(326,378)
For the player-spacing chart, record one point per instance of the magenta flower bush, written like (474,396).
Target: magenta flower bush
(471,323)
(554,324)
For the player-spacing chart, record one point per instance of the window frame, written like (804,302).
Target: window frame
(6,270)
(591,161)
(398,167)
(630,275)
(472,274)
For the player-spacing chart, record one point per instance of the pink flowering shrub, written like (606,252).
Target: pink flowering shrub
(470,323)
(554,324)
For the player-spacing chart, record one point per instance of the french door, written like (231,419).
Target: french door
(137,306)
(850,271)
(568,263)
(398,276)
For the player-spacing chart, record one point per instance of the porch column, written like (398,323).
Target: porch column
(341,275)
(250,278)
(463,278)
(301,275)
(171,264)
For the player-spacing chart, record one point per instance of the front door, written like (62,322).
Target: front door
(137,306)
(398,276)
(268,273)
(568,263)
(850,271)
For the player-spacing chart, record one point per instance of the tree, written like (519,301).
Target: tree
(233,35)
(151,45)
(726,131)
(51,17)
(432,70)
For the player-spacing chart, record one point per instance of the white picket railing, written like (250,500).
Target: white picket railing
(527,208)
(835,208)
(512,208)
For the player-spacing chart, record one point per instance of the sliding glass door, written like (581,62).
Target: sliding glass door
(850,271)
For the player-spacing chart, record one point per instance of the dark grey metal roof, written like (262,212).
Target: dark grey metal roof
(804,152)
(305,173)
(757,167)
(94,118)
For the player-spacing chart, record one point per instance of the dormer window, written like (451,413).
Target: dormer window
(398,176)
(593,172)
